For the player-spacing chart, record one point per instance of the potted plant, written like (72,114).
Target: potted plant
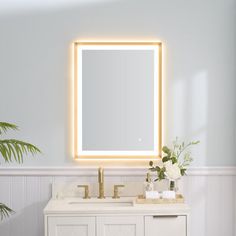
(13,150)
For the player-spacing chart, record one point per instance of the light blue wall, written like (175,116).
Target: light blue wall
(199,69)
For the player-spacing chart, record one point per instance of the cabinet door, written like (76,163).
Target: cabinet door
(120,226)
(71,226)
(165,225)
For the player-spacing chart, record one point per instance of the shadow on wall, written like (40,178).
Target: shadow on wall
(31,217)
(199,69)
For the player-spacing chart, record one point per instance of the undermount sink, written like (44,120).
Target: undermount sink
(101,202)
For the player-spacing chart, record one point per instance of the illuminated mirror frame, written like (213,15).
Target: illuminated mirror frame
(77,100)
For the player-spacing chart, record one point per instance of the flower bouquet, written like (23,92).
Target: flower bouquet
(174,162)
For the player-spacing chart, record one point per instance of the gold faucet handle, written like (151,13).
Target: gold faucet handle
(116,190)
(86,191)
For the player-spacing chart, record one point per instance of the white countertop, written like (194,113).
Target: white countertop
(110,206)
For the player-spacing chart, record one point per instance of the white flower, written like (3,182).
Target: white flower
(172,170)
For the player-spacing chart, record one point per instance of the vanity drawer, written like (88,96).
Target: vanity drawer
(71,226)
(166,225)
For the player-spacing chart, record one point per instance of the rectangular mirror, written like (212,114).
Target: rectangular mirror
(117,100)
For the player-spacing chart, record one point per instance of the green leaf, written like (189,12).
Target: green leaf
(165,159)
(150,163)
(174,160)
(166,150)
(4,127)
(14,148)
(158,168)
(5,211)
(195,142)
(183,171)
(161,174)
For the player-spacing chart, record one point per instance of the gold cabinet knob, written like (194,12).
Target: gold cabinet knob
(86,191)
(116,190)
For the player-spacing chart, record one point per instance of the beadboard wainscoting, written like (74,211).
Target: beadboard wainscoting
(210,192)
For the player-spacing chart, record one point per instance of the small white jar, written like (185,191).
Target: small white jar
(168,194)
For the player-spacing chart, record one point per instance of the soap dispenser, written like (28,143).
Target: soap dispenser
(148,184)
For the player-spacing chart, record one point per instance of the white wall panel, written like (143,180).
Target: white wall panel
(195,193)
(45,191)
(18,203)
(212,199)
(5,197)
(32,198)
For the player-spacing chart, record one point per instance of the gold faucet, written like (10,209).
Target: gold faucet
(116,190)
(101,183)
(86,191)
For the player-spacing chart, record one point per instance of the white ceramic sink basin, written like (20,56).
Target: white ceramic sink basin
(94,202)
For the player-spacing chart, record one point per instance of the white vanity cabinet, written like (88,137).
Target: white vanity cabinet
(152,225)
(64,219)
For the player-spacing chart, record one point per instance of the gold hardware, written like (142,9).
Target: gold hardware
(86,191)
(101,183)
(116,190)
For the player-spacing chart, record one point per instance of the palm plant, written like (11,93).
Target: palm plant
(13,150)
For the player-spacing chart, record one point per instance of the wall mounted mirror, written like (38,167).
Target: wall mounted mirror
(117,100)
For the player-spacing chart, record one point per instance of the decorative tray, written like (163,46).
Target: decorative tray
(142,200)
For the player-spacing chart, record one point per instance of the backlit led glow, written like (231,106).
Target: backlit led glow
(78,104)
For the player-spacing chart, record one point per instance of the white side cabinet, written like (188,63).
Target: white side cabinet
(166,225)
